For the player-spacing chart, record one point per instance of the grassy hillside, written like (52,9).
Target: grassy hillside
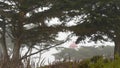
(95,62)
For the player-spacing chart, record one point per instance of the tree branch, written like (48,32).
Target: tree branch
(28,50)
(25,56)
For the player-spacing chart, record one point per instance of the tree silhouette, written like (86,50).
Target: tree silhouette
(97,18)
(24,22)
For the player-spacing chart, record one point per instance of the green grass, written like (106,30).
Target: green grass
(95,62)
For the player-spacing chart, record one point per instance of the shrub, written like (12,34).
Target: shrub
(95,62)
(84,64)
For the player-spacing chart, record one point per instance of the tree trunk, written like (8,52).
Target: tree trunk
(4,48)
(117,45)
(16,49)
(5,59)
(16,63)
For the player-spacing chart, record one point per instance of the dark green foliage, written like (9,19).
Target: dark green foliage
(99,18)
(17,18)
(102,16)
(95,59)
(84,64)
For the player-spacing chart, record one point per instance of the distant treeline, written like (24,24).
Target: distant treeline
(85,52)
